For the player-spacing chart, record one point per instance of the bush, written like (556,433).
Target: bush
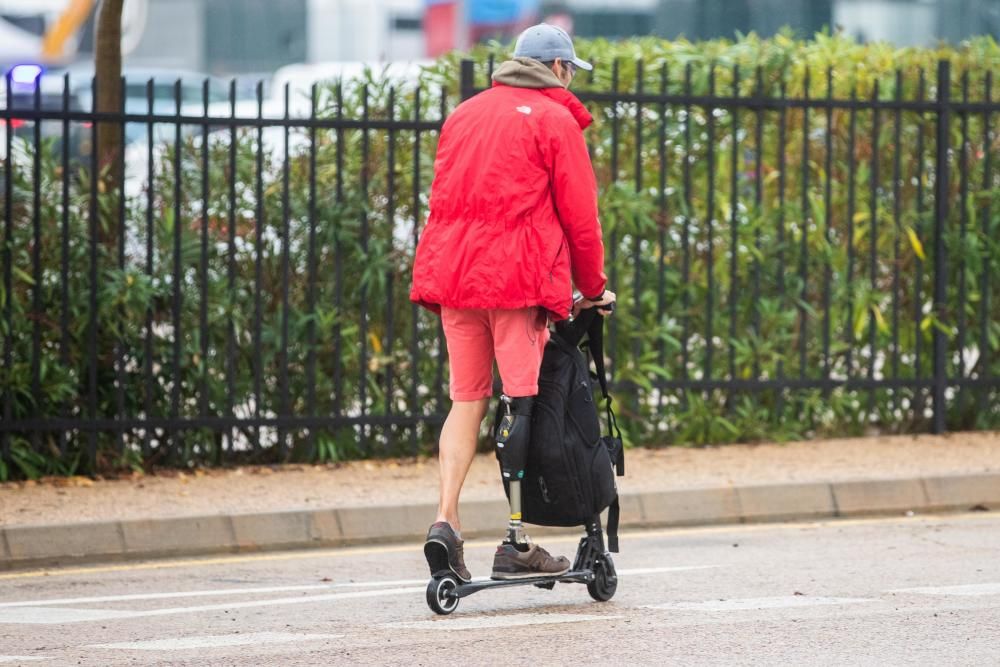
(240,355)
(869,256)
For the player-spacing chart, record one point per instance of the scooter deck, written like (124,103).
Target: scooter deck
(571,577)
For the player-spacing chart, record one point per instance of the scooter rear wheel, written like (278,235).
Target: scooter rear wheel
(438,595)
(605,582)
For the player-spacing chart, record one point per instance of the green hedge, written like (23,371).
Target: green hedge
(642,230)
(772,322)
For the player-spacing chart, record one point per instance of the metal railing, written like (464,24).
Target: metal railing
(232,251)
(952,192)
(238,289)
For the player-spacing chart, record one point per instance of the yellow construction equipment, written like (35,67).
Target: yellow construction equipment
(66,26)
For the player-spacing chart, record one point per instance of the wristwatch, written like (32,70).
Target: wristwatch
(578,296)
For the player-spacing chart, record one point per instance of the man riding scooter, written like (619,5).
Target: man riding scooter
(512,227)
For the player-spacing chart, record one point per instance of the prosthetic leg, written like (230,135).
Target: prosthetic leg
(512,438)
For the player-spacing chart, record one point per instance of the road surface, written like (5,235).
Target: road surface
(920,590)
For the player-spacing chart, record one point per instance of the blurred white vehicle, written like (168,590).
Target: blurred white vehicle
(299,80)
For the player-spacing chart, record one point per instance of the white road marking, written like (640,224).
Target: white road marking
(662,570)
(966,589)
(757,603)
(221,592)
(480,622)
(212,592)
(22,658)
(57,615)
(42,612)
(214,641)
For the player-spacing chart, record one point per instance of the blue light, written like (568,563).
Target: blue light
(25,75)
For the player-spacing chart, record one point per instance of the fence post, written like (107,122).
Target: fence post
(468,79)
(940,218)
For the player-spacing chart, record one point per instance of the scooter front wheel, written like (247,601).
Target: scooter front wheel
(605,581)
(440,597)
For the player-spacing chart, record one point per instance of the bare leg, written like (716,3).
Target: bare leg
(456,451)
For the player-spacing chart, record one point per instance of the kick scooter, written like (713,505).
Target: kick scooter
(593,566)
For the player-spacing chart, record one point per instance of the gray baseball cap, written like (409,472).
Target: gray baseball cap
(546,43)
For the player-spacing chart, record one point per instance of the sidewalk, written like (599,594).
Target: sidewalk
(220,511)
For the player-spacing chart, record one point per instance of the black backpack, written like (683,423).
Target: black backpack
(569,478)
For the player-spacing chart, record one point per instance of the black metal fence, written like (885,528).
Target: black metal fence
(917,174)
(236,287)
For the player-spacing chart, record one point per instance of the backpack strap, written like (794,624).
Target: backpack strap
(595,343)
(614,512)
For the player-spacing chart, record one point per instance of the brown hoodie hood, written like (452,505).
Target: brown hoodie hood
(526,73)
(531,73)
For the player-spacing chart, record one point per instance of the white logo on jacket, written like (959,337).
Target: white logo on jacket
(525,110)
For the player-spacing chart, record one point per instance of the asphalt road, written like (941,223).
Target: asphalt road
(872,592)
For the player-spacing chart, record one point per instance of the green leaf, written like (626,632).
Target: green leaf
(23,275)
(879,320)
(918,247)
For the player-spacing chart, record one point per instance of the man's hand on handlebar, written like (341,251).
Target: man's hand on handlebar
(605,304)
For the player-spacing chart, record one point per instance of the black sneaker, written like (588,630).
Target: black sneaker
(509,563)
(445,552)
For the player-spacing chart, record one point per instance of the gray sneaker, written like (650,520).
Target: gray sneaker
(445,552)
(509,563)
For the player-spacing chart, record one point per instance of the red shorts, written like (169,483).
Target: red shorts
(475,337)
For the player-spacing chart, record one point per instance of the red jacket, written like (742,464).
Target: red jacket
(513,206)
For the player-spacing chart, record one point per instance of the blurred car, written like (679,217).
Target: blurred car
(75,83)
(300,78)
(164,94)
(27,86)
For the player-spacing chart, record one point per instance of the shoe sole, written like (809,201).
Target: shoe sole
(526,575)
(436,553)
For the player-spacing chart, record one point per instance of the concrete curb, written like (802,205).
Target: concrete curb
(36,546)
